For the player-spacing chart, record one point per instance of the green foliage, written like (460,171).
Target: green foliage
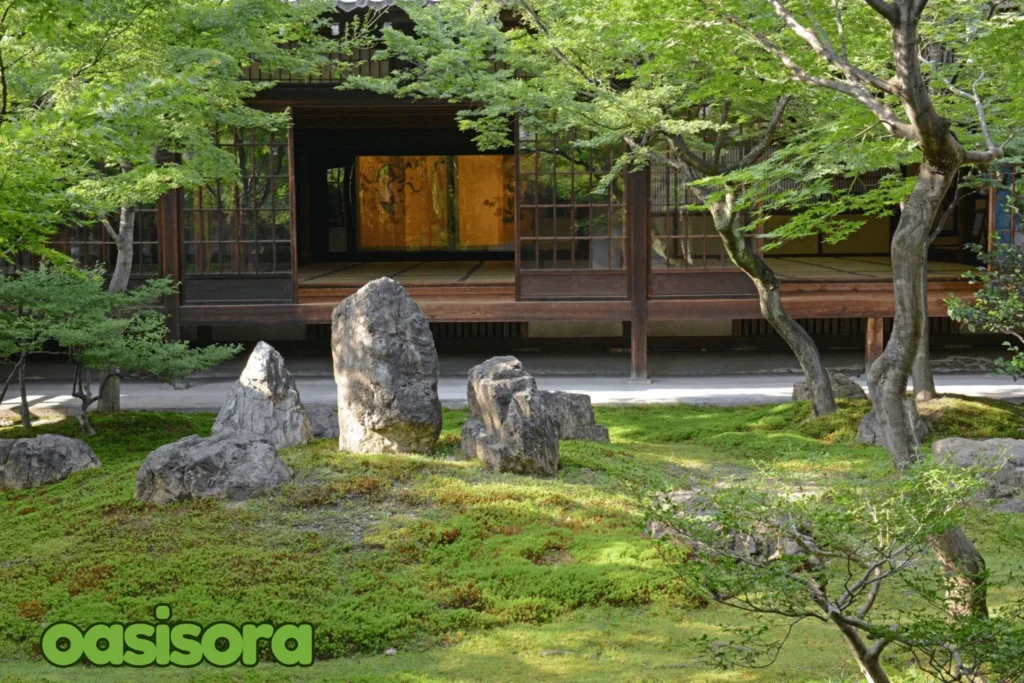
(825,554)
(98,330)
(998,305)
(112,103)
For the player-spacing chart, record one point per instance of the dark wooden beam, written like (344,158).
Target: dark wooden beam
(168,214)
(639,277)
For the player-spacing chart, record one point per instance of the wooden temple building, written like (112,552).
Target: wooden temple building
(363,186)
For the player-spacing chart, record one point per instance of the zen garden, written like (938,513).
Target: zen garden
(517,255)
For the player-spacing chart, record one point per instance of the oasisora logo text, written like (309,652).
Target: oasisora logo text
(183,643)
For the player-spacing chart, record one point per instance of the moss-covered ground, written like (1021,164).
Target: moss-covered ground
(469,575)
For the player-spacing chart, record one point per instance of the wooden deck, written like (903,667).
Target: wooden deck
(813,287)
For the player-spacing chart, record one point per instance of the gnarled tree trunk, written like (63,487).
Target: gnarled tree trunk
(124,240)
(889,374)
(823,401)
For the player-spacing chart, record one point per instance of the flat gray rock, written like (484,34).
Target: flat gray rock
(265,401)
(573,415)
(386,369)
(1004,457)
(235,466)
(45,459)
(842,388)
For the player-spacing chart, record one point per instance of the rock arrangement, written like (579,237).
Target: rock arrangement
(574,417)
(1005,484)
(515,427)
(265,402)
(870,431)
(45,459)
(842,388)
(386,369)
(508,427)
(235,466)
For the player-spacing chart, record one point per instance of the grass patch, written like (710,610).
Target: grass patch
(470,575)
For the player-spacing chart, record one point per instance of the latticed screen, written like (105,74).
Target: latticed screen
(568,218)
(242,227)
(682,236)
(1009,201)
(90,244)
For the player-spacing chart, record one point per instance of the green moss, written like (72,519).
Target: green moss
(471,575)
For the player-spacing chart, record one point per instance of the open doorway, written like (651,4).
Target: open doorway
(418,205)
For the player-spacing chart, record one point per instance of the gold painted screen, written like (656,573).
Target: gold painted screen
(419,203)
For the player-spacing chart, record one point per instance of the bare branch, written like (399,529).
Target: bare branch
(883,112)
(757,150)
(840,28)
(723,121)
(992,151)
(825,50)
(886,9)
(114,235)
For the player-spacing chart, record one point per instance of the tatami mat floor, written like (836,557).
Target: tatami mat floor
(503,272)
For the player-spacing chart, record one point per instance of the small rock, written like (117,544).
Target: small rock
(235,466)
(870,431)
(574,416)
(1004,456)
(391,652)
(264,401)
(509,427)
(45,459)
(386,369)
(842,388)
(324,421)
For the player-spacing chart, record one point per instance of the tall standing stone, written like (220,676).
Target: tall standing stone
(386,369)
(265,402)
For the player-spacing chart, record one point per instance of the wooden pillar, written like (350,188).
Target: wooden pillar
(168,215)
(874,341)
(637,192)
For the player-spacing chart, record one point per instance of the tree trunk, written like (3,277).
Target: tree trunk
(868,662)
(823,401)
(26,417)
(924,380)
(110,395)
(889,374)
(965,568)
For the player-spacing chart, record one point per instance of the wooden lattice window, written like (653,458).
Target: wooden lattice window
(244,226)
(570,216)
(682,236)
(89,244)
(1008,227)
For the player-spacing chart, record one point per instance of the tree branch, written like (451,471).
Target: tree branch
(723,120)
(825,50)
(992,151)
(757,150)
(886,9)
(883,112)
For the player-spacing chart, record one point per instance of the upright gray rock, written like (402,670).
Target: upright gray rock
(842,387)
(509,426)
(235,466)
(265,402)
(45,459)
(870,430)
(386,368)
(574,416)
(1005,457)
